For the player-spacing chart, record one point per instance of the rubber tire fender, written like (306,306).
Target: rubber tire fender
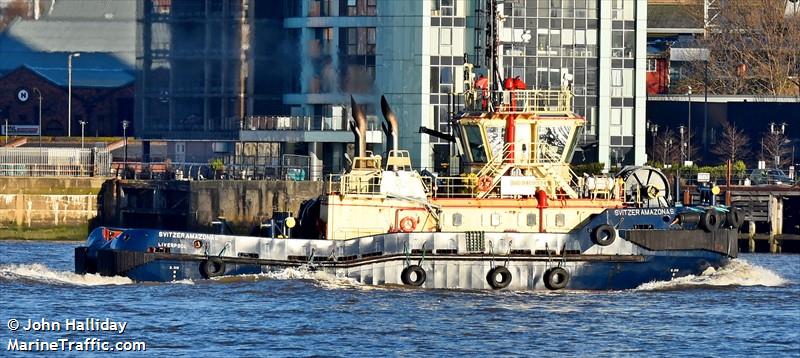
(710,220)
(551,278)
(734,218)
(503,273)
(604,235)
(740,217)
(405,276)
(212,267)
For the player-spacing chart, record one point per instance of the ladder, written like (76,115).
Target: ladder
(554,172)
(495,169)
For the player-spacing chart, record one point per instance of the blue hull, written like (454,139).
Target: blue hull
(457,260)
(592,276)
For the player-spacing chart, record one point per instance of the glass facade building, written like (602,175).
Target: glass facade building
(553,44)
(592,47)
(205,65)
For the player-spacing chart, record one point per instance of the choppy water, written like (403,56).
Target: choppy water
(750,308)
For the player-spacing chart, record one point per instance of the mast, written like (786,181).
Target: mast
(493,50)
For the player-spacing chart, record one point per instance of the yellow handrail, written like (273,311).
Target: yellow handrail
(532,100)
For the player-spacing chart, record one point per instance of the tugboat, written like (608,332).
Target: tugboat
(517,217)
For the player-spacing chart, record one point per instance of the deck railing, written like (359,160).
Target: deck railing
(287,167)
(300,123)
(520,101)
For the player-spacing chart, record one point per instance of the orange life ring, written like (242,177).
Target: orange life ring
(484,183)
(408,224)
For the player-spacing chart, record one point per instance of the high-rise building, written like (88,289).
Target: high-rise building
(214,74)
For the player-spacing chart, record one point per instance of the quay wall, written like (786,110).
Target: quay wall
(245,204)
(193,205)
(48,208)
(68,208)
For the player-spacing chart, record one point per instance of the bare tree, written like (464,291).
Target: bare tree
(775,149)
(666,149)
(754,49)
(733,144)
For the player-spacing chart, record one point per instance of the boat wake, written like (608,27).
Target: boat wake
(38,273)
(320,278)
(736,273)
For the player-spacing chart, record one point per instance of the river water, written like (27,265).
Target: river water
(749,308)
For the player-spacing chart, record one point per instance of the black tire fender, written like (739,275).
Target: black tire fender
(740,217)
(556,278)
(83,263)
(212,267)
(499,277)
(604,235)
(419,279)
(711,220)
(734,218)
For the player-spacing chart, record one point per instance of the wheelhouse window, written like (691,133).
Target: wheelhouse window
(496,135)
(475,142)
(553,140)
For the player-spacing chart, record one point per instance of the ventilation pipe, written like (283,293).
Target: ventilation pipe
(361,126)
(392,120)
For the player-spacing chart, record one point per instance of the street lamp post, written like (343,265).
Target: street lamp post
(125,138)
(667,144)
(776,129)
(69,91)
(83,124)
(653,132)
(39,93)
(689,133)
(5,129)
(680,129)
(705,109)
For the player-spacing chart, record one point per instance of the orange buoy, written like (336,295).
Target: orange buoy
(408,224)
(484,183)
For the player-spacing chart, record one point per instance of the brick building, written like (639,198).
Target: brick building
(34,53)
(102,105)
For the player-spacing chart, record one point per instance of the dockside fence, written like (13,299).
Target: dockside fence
(41,162)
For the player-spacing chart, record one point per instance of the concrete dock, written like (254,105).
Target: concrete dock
(67,208)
